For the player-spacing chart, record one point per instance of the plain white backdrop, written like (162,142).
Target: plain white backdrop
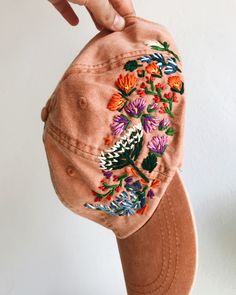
(45,249)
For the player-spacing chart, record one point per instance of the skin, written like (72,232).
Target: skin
(105,13)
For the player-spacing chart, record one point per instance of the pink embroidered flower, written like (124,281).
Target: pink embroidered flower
(152,107)
(136,107)
(164,124)
(149,122)
(158,144)
(119,125)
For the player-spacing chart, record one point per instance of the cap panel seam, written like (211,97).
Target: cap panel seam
(92,156)
(106,66)
(118,57)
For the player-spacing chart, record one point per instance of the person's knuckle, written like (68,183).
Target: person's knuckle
(108,18)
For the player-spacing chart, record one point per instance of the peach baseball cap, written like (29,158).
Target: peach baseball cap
(113,136)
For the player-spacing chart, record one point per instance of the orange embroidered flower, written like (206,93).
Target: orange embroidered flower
(143,210)
(153,69)
(142,181)
(116,103)
(108,140)
(131,171)
(127,82)
(155,183)
(175,83)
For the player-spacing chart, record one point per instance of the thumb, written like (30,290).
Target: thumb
(104,15)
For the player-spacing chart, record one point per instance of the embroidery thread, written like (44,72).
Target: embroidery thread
(127,194)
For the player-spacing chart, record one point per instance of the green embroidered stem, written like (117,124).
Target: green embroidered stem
(165,48)
(150,92)
(131,162)
(112,187)
(152,85)
(159,93)
(168,111)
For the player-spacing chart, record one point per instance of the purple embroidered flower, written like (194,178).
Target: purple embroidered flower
(129,179)
(107,174)
(164,124)
(158,144)
(152,107)
(150,194)
(136,107)
(149,123)
(119,125)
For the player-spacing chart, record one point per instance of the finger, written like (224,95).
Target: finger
(105,15)
(123,7)
(98,26)
(66,11)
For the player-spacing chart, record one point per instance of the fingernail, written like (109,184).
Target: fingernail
(119,23)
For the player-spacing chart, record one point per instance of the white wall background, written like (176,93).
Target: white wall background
(44,248)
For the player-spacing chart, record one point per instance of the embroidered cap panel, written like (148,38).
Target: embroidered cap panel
(146,91)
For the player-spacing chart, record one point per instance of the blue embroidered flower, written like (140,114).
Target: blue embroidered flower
(134,186)
(124,205)
(158,57)
(171,66)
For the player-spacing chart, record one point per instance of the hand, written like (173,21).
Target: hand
(105,13)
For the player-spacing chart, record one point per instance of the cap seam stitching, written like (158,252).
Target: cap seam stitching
(64,143)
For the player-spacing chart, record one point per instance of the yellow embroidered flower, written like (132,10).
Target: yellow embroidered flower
(116,102)
(127,82)
(153,69)
(175,83)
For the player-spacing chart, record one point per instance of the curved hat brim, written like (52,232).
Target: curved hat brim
(161,257)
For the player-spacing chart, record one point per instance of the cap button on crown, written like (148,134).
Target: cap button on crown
(82,102)
(70,171)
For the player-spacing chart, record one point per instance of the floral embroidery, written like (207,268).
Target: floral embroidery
(141,98)
(176,84)
(154,70)
(116,103)
(125,152)
(120,124)
(158,144)
(127,203)
(149,123)
(135,108)
(108,140)
(126,83)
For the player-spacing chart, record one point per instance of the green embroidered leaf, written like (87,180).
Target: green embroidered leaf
(166,45)
(141,74)
(150,162)
(158,48)
(125,152)
(131,65)
(170,131)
